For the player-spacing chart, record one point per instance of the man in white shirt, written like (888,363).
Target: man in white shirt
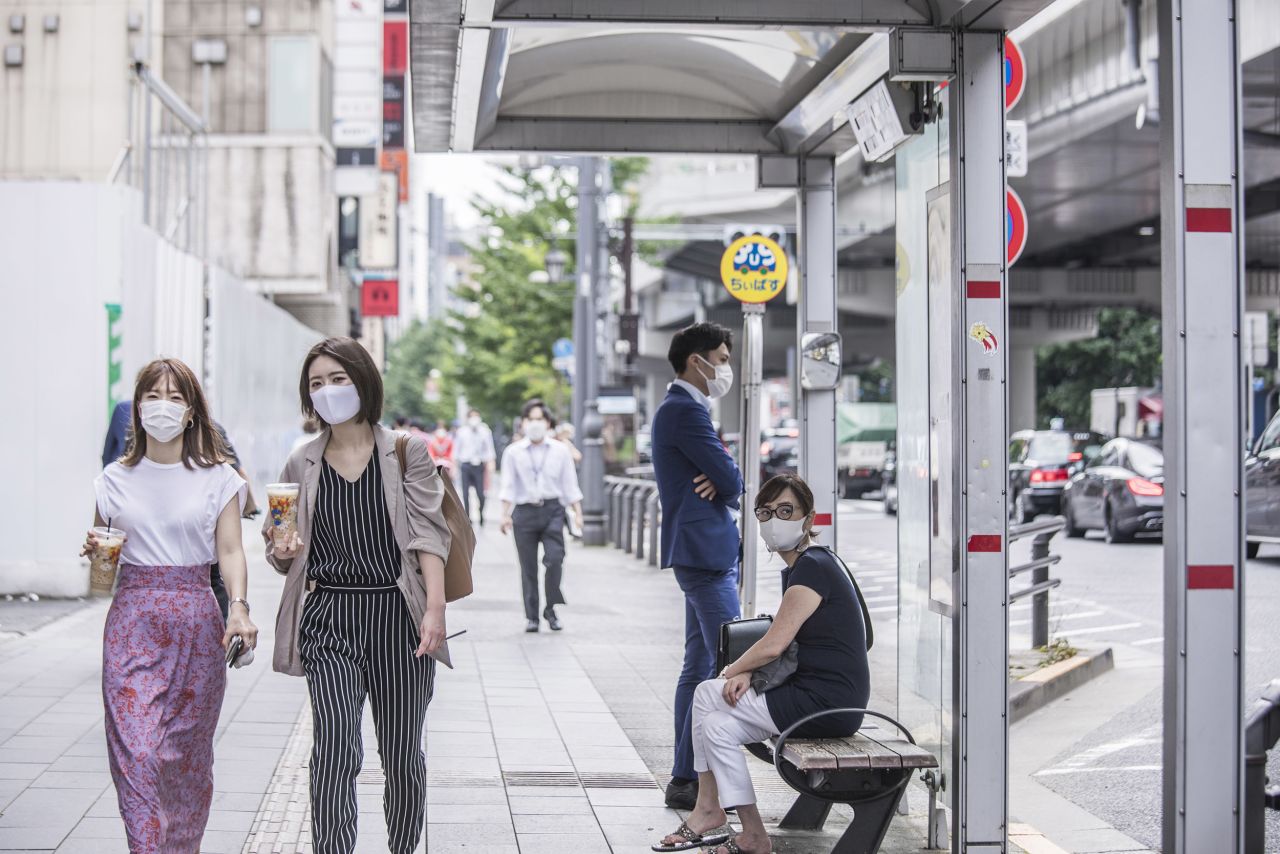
(538,482)
(473,449)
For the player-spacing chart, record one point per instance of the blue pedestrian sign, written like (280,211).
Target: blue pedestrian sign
(562,349)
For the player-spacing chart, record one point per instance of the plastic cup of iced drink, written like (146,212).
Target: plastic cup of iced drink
(282,501)
(104,560)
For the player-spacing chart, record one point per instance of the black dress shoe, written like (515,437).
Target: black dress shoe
(682,794)
(552,620)
(531,626)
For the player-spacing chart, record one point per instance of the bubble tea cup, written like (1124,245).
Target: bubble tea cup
(104,560)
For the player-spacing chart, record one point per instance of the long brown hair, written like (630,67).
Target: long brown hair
(201,442)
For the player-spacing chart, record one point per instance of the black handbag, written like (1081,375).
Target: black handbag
(738,636)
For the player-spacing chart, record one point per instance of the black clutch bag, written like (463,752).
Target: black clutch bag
(739,636)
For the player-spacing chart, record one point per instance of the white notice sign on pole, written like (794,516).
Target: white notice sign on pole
(1015,148)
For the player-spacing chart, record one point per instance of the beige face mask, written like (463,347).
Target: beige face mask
(782,536)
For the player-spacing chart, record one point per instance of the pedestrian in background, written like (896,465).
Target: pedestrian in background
(371,540)
(539,482)
(163,663)
(440,445)
(473,449)
(564,435)
(699,485)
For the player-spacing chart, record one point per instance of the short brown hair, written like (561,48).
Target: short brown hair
(201,442)
(358,364)
(779,484)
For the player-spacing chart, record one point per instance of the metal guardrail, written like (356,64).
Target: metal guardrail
(633,511)
(1043,530)
(1261,732)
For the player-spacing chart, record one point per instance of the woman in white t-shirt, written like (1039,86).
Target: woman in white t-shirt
(163,661)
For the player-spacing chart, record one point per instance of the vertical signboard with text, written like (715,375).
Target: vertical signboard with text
(357,96)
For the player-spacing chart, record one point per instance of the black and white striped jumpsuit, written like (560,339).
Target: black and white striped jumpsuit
(358,638)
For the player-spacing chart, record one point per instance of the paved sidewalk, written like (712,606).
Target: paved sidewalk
(536,743)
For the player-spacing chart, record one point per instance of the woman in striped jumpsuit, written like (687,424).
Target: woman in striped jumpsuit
(363,606)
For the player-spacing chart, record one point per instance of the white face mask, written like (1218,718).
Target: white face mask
(535,431)
(336,404)
(780,536)
(719,384)
(474,421)
(163,420)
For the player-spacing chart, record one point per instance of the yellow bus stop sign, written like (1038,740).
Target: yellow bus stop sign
(753,269)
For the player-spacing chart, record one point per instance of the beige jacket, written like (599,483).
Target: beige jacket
(414,503)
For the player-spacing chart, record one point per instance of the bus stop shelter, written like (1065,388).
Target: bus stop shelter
(925,80)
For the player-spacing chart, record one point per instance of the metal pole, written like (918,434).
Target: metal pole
(753,376)
(162,177)
(1202,224)
(1040,601)
(592,178)
(980,412)
(583,310)
(816,218)
(146,154)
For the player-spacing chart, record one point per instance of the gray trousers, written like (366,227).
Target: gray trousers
(473,478)
(543,525)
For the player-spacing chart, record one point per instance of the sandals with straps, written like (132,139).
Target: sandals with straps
(693,839)
(730,845)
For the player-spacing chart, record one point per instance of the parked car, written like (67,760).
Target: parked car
(1120,492)
(1262,489)
(1040,464)
(779,453)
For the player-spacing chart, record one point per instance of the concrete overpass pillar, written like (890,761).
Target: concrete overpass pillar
(1201,242)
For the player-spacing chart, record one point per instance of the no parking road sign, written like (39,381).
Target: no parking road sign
(1015,73)
(1015,226)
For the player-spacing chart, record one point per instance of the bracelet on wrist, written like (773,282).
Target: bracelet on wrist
(242,601)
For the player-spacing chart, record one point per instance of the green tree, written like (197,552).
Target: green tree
(510,314)
(1125,352)
(410,360)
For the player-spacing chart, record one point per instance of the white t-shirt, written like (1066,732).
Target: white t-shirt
(170,512)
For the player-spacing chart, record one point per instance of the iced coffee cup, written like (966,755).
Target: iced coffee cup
(104,560)
(282,500)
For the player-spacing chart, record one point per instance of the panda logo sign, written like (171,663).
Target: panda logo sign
(754,269)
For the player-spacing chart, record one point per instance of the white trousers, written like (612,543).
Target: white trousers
(720,730)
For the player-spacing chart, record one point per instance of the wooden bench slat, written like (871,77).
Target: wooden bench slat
(809,756)
(858,751)
(909,755)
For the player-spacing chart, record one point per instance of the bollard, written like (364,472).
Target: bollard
(615,511)
(642,504)
(655,527)
(1040,601)
(624,533)
(635,537)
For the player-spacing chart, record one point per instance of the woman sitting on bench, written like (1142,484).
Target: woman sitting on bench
(820,612)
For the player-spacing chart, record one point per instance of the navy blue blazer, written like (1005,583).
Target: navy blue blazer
(696,533)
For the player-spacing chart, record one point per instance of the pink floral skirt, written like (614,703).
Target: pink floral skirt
(163,677)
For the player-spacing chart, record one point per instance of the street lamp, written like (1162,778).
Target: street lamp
(555,262)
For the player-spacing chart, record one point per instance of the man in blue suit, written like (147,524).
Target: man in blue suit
(698,484)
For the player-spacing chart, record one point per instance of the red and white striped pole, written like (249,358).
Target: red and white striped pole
(1202,224)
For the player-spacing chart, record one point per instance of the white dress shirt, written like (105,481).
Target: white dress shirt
(696,393)
(473,445)
(533,473)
